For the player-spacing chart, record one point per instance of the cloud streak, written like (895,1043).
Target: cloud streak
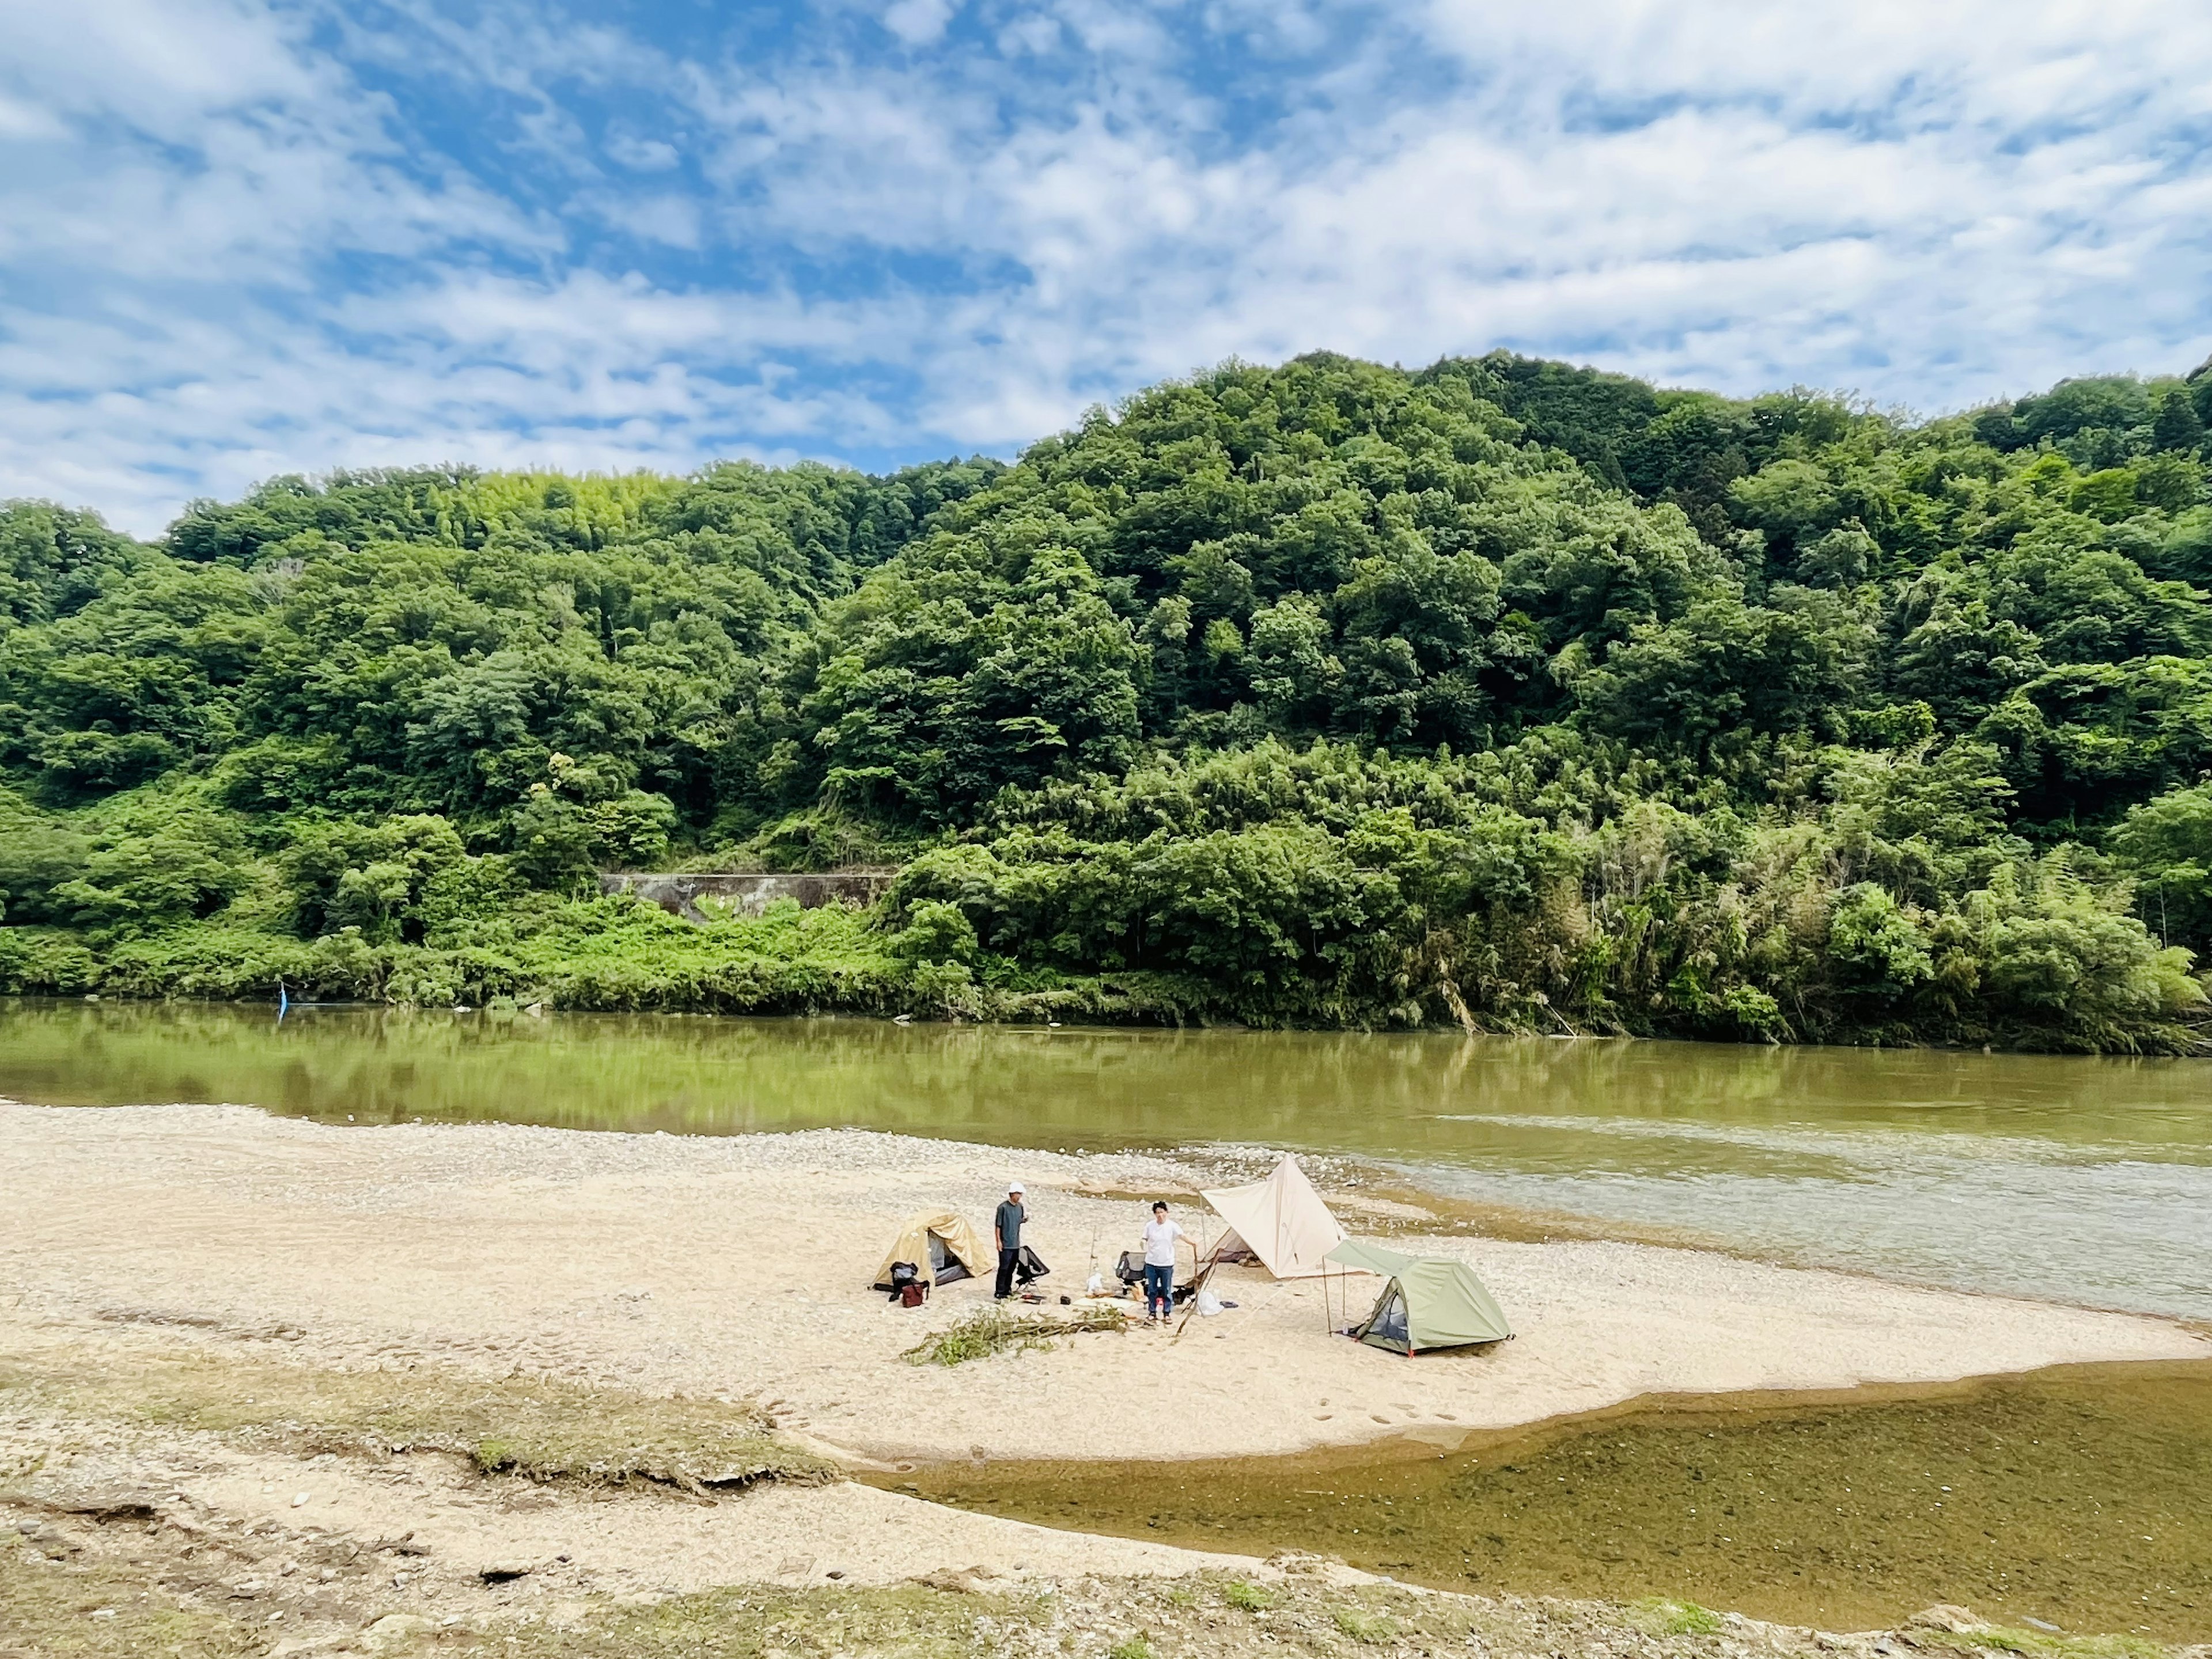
(239,238)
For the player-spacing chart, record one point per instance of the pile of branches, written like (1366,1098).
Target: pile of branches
(998,1329)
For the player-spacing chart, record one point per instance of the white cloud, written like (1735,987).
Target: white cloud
(642,155)
(236,240)
(918,22)
(667,217)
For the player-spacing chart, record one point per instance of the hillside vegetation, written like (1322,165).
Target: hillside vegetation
(1503,693)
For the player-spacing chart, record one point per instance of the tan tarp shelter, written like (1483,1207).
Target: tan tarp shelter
(1427,1301)
(940,1245)
(1281,1220)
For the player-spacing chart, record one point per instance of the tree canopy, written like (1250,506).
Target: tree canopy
(1503,693)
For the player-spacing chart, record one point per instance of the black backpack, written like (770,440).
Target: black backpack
(904,1274)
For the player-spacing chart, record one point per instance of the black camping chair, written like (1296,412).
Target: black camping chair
(1029,1266)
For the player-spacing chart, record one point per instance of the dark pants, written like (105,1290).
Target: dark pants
(1006,1285)
(1159,1287)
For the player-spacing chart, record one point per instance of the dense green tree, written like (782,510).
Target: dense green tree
(2167,843)
(1503,693)
(2178,426)
(54,562)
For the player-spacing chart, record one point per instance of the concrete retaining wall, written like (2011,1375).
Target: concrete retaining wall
(749,894)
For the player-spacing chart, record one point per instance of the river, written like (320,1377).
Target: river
(2079,1180)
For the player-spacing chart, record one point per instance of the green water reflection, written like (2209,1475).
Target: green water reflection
(2081,1496)
(2078,1178)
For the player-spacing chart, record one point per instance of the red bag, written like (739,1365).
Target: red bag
(912,1293)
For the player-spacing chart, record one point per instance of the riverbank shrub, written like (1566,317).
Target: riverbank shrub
(1500,694)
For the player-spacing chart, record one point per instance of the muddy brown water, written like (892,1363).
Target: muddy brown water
(2080,1496)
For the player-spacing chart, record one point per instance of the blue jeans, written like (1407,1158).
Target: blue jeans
(1159,1287)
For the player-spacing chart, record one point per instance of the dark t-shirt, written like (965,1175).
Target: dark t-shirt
(1009,1223)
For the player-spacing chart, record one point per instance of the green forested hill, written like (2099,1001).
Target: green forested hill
(1502,693)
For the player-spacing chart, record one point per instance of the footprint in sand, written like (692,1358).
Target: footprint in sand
(1449,1417)
(1323,1417)
(1378,1417)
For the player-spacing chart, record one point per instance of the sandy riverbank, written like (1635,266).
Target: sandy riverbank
(738,1267)
(223,1336)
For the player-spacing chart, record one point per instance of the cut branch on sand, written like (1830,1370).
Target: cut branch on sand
(998,1329)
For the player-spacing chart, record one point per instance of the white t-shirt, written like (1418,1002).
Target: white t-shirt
(1159,1244)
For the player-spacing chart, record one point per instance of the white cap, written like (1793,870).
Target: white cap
(1014,1187)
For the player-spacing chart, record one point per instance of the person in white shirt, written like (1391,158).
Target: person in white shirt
(1160,1236)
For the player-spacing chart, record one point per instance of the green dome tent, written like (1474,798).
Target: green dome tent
(1427,1301)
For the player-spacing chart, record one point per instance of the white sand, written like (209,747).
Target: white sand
(738,1265)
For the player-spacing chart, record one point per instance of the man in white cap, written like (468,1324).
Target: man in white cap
(1006,1231)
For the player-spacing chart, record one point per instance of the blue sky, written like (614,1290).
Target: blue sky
(238,238)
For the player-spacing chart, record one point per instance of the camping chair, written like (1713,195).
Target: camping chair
(1131,1267)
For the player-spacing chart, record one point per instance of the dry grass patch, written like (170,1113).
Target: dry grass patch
(105,1613)
(537,1428)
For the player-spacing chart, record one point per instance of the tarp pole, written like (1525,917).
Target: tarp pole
(1191,1312)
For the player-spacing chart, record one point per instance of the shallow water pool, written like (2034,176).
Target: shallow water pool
(2080,1496)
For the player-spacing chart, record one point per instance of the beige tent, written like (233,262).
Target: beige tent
(942,1246)
(1281,1220)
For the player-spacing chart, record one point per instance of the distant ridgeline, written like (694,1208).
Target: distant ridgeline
(1504,694)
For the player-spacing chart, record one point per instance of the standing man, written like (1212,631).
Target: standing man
(1160,1236)
(1006,1231)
